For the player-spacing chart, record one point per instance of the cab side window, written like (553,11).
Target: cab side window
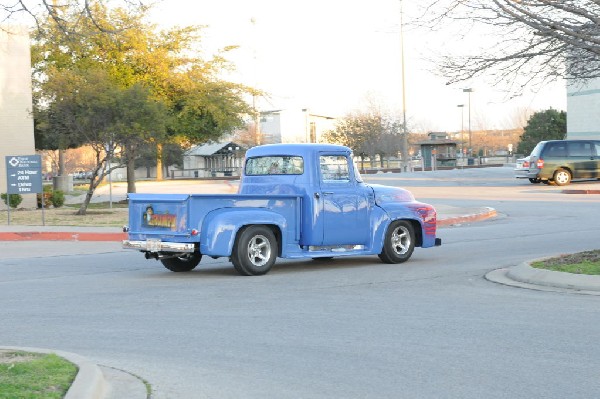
(597,145)
(334,169)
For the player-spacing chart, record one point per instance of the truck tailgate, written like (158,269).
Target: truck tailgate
(158,215)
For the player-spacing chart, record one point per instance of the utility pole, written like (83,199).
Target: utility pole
(469,91)
(257,140)
(404,140)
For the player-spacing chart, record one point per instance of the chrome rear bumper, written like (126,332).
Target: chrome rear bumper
(159,246)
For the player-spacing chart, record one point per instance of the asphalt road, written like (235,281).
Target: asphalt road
(349,328)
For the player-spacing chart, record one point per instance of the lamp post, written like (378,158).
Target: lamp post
(404,140)
(469,90)
(462,129)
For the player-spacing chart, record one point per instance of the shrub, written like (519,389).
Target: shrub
(15,199)
(57,198)
(47,195)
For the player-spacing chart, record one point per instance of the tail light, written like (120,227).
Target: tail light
(429,217)
(540,163)
(525,164)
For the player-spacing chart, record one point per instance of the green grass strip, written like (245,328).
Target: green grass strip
(587,262)
(26,375)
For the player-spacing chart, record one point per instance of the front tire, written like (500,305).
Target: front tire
(399,242)
(254,251)
(183,263)
(562,177)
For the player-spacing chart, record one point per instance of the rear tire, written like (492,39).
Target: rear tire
(562,177)
(255,251)
(184,263)
(399,242)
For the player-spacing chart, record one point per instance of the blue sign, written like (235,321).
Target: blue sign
(24,174)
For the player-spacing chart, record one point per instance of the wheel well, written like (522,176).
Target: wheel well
(563,168)
(417,228)
(418,231)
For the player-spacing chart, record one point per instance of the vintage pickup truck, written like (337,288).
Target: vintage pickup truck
(294,201)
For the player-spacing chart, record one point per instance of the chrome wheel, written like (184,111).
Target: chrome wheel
(255,250)
(399,242)
(259,250)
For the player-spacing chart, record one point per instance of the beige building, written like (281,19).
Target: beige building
(16,120)
(583,106)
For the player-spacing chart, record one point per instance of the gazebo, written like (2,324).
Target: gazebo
(438,151)
(213,160)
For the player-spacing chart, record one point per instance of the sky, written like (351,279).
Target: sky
(335,57)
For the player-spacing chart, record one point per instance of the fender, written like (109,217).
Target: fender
(422,215)
(220,227)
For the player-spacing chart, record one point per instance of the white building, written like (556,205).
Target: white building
(16,120)
(293,126)
(583,110)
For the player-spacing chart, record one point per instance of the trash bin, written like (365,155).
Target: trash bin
(471,161)
(195,173)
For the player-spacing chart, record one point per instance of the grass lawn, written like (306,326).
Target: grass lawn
(98,214)
(25,375)
(587,262)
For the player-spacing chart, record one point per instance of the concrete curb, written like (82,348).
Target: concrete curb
(486,213)
(60,236)
(75,235)
(581,191)
(89,382)
(525,276)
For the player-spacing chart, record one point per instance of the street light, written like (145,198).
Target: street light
(469,90)
(462,128)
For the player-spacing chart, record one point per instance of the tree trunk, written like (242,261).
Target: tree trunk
(130,174)
(159,164)
(61,162)
(88,197)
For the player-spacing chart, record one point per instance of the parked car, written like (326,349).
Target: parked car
(522,170)
(560,161)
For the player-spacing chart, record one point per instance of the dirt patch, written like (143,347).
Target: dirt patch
(11,356)
(569,259)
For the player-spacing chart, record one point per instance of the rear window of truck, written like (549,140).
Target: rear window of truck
(274,165)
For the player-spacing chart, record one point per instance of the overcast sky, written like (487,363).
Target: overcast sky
(331,56)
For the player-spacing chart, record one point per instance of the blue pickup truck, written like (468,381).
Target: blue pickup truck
(294,201)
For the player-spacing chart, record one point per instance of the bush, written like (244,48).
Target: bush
(47,195)
(57,198)
(15,199)
(54,198)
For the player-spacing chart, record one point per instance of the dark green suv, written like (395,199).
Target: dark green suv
(559,161)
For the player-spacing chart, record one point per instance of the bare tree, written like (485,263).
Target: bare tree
(536,41)
(38,11)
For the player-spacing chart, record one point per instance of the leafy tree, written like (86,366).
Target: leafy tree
(367,134)
(107,117)
(131,53)
(545,125)
(537,40)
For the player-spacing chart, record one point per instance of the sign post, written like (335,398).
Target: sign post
(24,176)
